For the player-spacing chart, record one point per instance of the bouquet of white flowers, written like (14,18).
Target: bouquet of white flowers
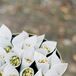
(28,55)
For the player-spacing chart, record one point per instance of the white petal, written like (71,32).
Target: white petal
(39,40)
(2,51)
(2,56)
(2,67)
(4,42)
(51,45)
(42,51)
(51,73)
(39,73)
(53,59)
(60,68)
(10,71)
(43,66)
(5,33)
(30,42)
(19,39)
(57,69)
(17,50)
(27,54)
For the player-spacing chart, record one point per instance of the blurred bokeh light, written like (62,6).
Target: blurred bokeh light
(55,18)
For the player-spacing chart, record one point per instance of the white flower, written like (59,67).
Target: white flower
(13,58)
(6,37)
(48,46)
(41,61)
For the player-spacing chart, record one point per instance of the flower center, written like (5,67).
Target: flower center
(42,61)
(28,60)
(15,60)
(28,72)
(46,48)
(0,73)
(8,48)
(28,45)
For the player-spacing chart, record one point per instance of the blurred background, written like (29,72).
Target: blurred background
(54,18)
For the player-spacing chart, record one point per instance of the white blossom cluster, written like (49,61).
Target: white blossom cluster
(19,53)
